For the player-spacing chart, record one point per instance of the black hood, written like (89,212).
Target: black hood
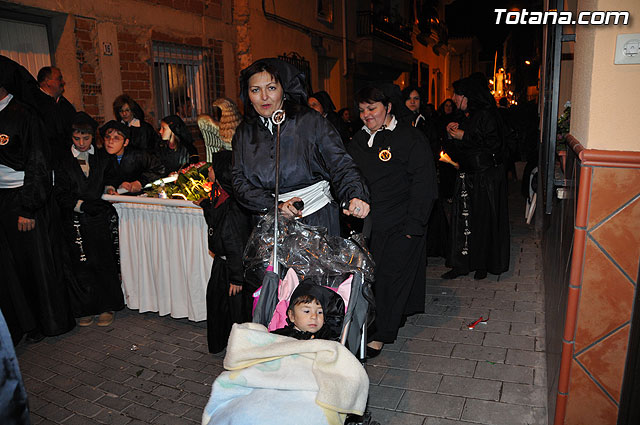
(325,100)
(179,128)
(18,81)
(221,163)
(293,82)
(332,307)
(476,90)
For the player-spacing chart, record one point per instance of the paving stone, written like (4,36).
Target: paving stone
(509,341)
(475,352)
(114,389)
(384,397)
(515,295)
(195,414)
(461,336)
(526,358)
(439,321)
(165,379)
(172,407)
(35,371)
(86,392)
(467,313)
(419,346)
(446,300)
(54,413)
(411,380)
(441,290)
(529,329)
(162,391)
(59,397)
(390,417)
(83,407)
(529,306)
(416,332)
(144,414)
(475,293)
(506,373)
(62,382)
(80,420)
(514,316)
(167,419)
(447,366)
(486,303)
(396,360)
(192,375)
(35,386)
(195,387)
(117,404)
(141,397)
(470,387)
(375,373)
(441,421)
(431,404)
(493,413)
(524,394)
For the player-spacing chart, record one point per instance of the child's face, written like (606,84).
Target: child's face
(82,141)
(114,142)
(307,317)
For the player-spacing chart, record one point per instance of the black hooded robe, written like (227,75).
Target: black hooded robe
(229,228)
(481,239)
(34,296)
(310,151)
(91,240)
(403,190)
(140,165)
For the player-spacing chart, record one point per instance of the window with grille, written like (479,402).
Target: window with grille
(184,79)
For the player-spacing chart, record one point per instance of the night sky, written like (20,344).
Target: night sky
(477,17)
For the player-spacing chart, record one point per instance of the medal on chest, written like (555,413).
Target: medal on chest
(385,154)
(4,139)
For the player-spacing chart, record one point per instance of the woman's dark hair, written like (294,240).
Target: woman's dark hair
(342,111)
(179,129)
(442,105)
(407,92)
(133,105)
(372,94)
(293,84)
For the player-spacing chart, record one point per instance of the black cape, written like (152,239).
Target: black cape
(481,239)
(310,151)
(34,293)
(140,165)
(229,228)
(91,240)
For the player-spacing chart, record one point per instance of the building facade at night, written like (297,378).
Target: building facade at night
(177,56)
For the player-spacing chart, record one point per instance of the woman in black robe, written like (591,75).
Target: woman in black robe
(142,134)
(176,149)
(90,227)
(313,159)
(397,164)
(229,301)
(480,218)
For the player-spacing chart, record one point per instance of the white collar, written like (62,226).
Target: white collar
(390,127)
(267,123)
(4,102)
(135,122)
(77,153)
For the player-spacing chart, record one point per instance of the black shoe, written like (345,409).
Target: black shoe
(480,274)
(33,337)
(372,352)
(452,274)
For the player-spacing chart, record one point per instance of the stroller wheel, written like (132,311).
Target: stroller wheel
(365,419)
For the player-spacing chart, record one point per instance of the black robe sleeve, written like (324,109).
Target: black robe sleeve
(423,185)
(481,133)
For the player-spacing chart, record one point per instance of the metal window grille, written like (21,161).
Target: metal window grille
(184,80)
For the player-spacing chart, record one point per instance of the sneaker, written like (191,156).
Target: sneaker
(106,318)
(85,321)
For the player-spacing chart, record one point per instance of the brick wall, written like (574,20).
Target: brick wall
(210,8)
(135,70)
(86,53)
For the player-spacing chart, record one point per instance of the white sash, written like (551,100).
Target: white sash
(314,197)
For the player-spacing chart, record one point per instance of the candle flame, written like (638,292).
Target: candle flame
(444,157)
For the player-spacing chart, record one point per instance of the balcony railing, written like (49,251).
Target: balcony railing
(385,28)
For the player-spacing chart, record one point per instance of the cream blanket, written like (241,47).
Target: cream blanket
(273,379)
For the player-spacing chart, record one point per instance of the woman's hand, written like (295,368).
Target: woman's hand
(357,208)
(288,210)
(234,289)
(454,131)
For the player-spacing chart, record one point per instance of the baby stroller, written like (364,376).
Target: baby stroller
(322,379)
(275,379)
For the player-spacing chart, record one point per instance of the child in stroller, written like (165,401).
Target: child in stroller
(315,312)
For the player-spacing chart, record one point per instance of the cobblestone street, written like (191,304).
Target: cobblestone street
(147,369)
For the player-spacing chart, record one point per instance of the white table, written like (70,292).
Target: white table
(164,256)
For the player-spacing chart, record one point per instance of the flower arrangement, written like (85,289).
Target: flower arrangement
(191,184)
(564,122)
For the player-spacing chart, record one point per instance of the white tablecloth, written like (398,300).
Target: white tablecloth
(164,258)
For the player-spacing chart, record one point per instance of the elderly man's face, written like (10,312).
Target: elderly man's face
(54,85)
